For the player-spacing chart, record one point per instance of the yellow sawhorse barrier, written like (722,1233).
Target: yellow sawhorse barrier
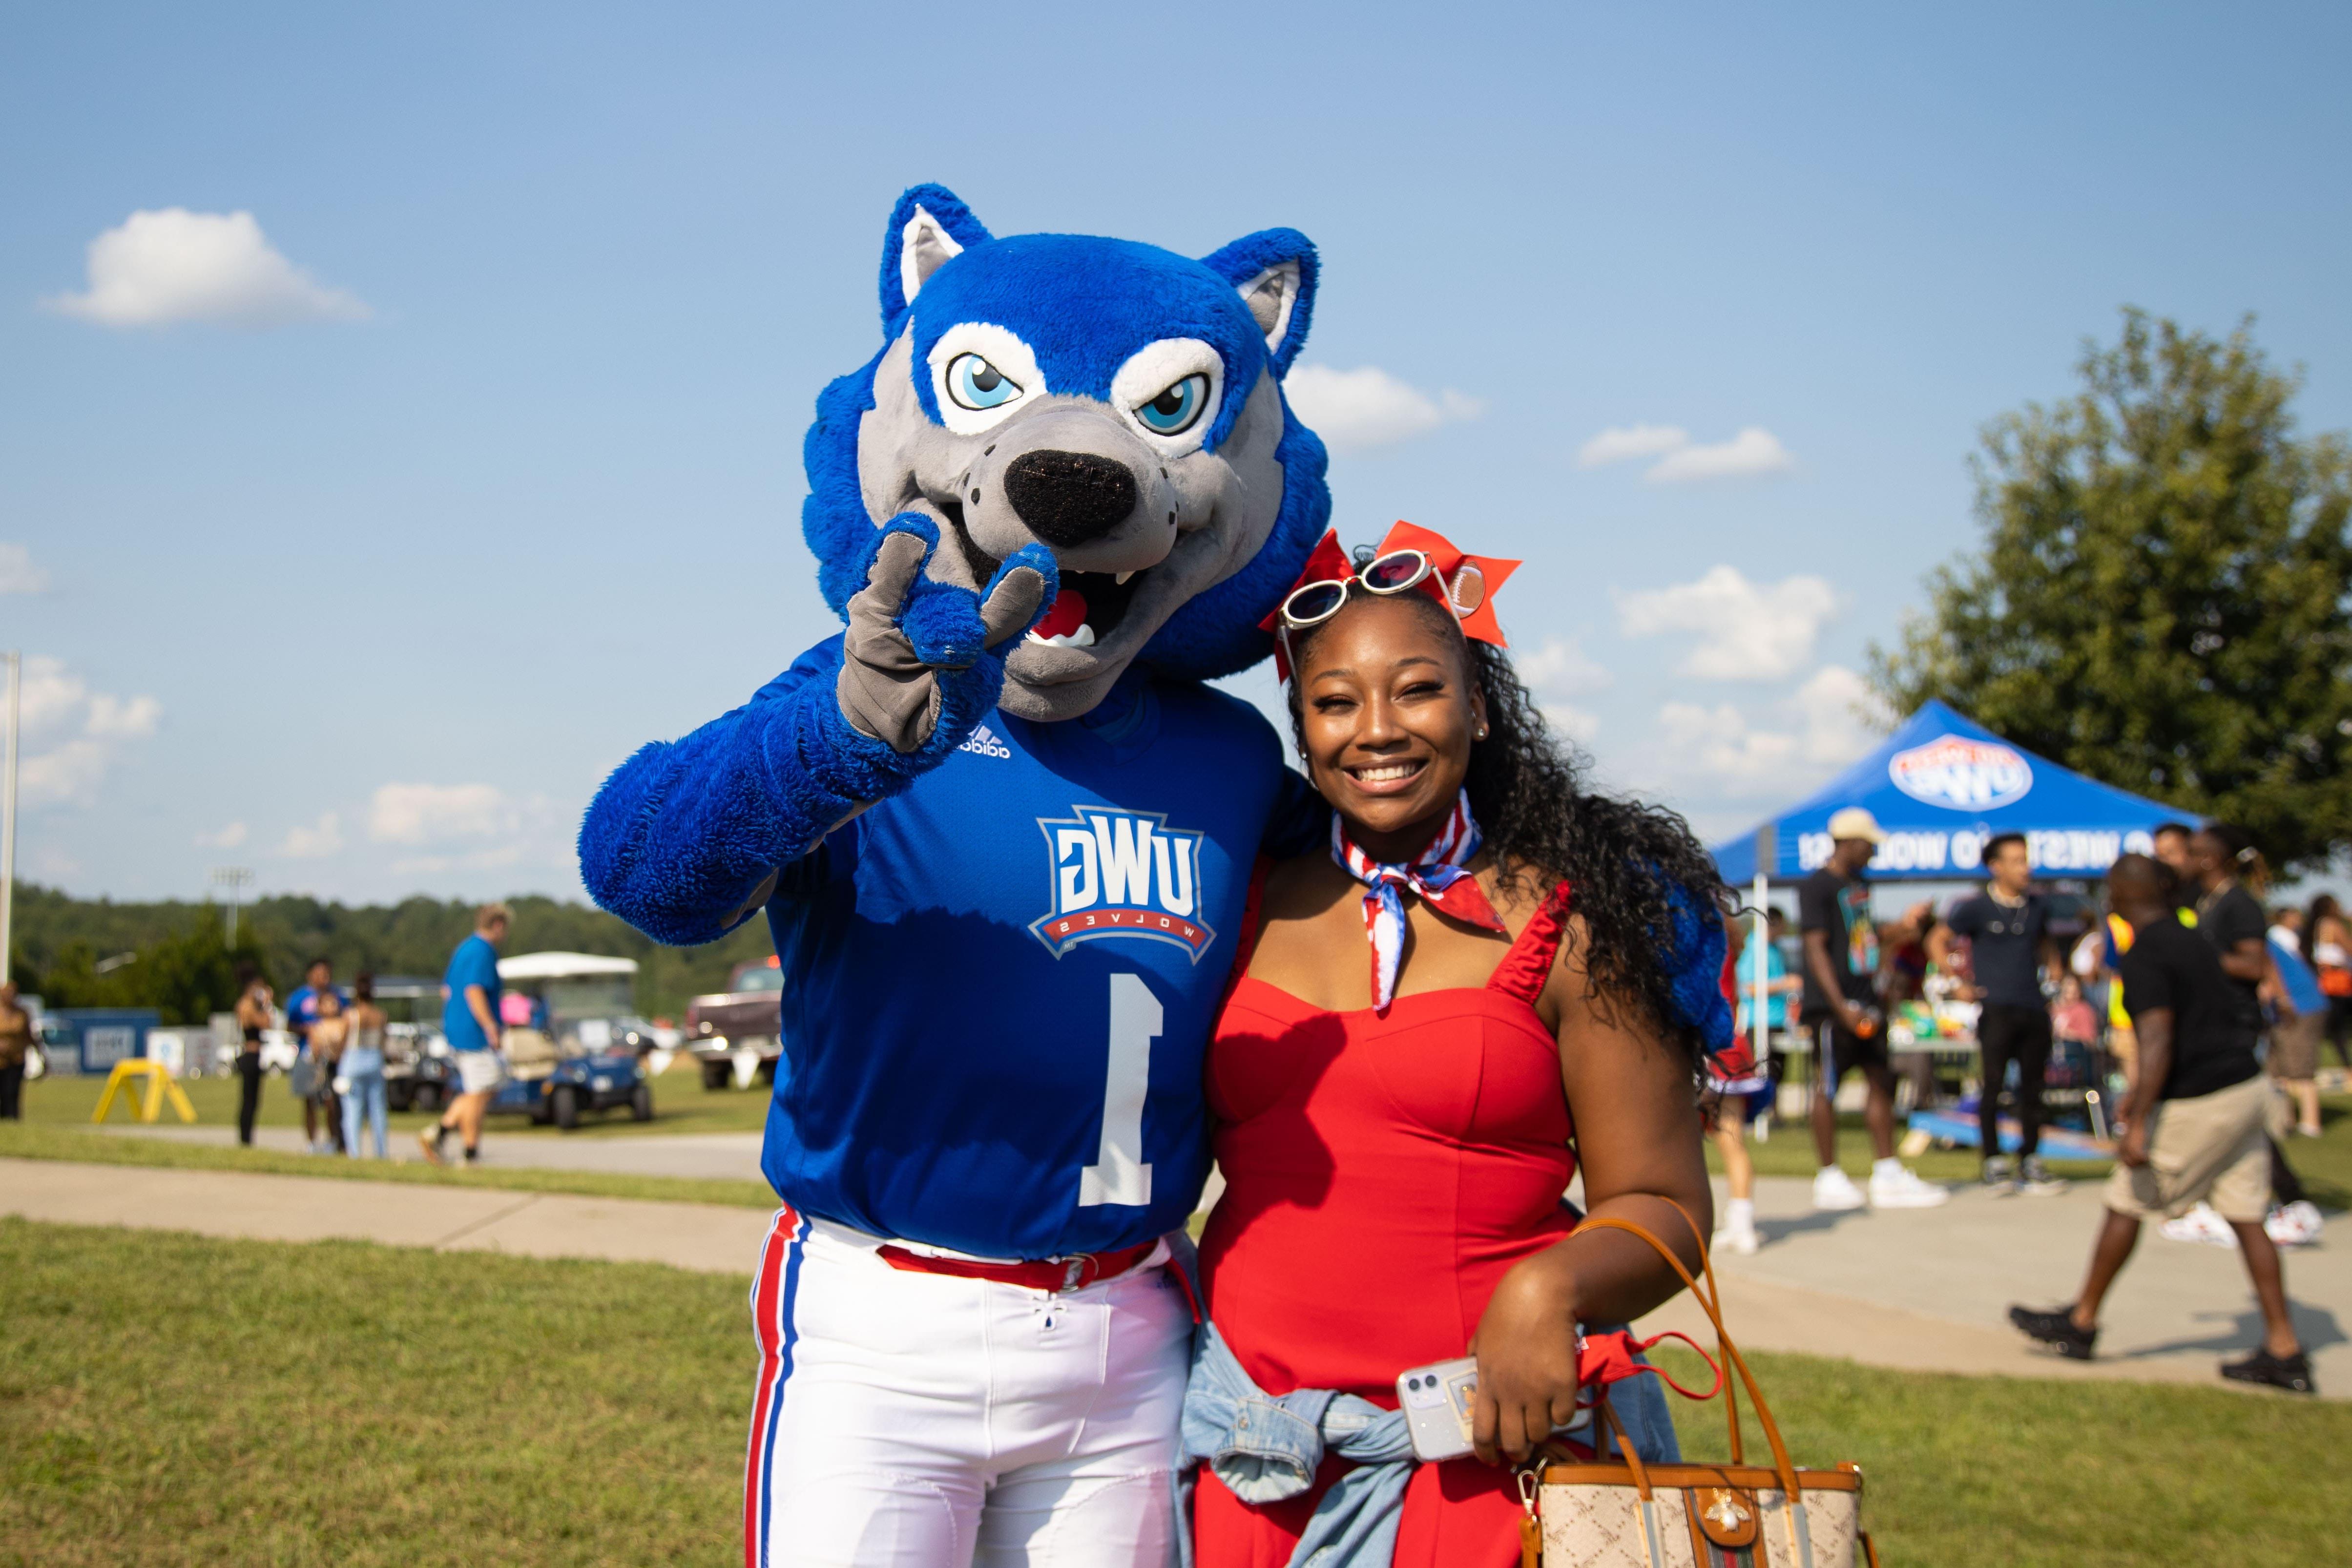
(122,1080)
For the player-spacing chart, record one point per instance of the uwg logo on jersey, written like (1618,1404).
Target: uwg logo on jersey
(1122,873)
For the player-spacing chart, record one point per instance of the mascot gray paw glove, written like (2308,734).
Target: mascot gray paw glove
(915,660)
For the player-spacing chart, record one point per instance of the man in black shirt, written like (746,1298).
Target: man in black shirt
(2010,949)
(2174,852)
(2193,1128)
(1840,1006)
(2229,917)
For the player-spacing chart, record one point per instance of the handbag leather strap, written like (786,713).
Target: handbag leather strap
(1710,1302)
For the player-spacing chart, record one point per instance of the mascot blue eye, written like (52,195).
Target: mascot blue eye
(1173,411)
(976,384)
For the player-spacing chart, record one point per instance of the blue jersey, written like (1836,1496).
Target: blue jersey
(1000,985)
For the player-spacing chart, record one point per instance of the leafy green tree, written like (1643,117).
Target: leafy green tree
(2161,597)
(186,975)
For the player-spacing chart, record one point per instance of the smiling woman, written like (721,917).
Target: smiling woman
(1543,973)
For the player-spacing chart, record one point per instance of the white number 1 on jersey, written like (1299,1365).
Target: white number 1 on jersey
(1118,1175)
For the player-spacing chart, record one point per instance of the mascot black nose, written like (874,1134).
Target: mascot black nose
(1069,498)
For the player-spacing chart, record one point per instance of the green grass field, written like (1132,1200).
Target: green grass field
(167,1399)
(681,1105)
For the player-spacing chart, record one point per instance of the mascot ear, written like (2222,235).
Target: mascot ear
(1275,271)
(929,227)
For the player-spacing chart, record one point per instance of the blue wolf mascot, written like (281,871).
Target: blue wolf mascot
(1002,831)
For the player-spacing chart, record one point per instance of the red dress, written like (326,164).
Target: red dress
(1382,1172)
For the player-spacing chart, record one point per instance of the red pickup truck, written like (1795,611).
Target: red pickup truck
(733,1032)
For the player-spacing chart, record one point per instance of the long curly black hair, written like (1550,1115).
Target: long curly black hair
(1650,896)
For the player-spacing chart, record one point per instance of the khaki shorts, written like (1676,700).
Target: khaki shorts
(2294,1047)
(2210,1148)
(478,1072)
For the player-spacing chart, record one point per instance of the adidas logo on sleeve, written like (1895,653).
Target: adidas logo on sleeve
(984,742)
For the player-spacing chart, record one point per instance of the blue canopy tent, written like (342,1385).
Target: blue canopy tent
(1941,785)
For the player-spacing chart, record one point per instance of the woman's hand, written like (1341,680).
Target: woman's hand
(1526,1346)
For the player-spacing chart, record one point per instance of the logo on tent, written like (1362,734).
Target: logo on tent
(1967,775)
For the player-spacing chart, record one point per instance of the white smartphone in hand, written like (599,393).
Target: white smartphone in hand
(1437,1407)
(1440,1402)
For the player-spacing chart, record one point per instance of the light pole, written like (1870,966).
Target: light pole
(8,817)
(235,878)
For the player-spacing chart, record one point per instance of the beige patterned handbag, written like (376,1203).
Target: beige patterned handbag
(1628,1514)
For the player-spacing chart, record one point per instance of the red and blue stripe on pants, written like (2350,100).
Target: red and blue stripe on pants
(773,1291)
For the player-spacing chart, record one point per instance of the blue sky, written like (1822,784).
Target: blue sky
(494,473)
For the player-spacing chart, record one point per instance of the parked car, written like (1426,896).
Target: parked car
(733,1033)
(574,1045)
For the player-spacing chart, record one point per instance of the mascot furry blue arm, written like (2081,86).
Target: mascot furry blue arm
(1047,411)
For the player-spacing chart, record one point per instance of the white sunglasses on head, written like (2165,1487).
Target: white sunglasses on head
(1312,604)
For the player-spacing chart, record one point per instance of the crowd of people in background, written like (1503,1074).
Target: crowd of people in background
(338,1076)
(2213,1015)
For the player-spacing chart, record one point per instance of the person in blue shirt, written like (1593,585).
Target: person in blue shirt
(469,1021)
(301,1012)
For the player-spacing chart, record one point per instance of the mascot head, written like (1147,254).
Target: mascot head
(1117,402)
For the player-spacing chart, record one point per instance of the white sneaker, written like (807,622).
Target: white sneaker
(1834,1189)
(1738,1235)
(2199,1223)
(2297,1223)
(1901,1188)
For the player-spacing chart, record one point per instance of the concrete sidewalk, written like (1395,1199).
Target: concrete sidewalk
(1929,1289)
(1922,1290)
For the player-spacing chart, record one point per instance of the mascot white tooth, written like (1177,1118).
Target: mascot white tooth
(1002,835)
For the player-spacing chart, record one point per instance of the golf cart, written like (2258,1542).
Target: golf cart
(572,1038)
(419,1074)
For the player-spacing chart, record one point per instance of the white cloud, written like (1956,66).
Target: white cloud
(228,837)
(1717,744)
(1842,717)
(321,838)
(1753,451)
(1556,671)
(1561,668)
(1369,407)
(112,718)
(18,573)
(1824,725)
(433,814)
(1746,631)
(73,735)
(1619,442)
(1578,725)
(171,264)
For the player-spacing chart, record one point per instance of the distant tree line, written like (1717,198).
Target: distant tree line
(181,965)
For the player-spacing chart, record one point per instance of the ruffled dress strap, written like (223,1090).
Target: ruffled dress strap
(1527,965)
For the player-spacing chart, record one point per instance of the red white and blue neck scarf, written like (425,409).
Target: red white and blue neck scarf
(1437,878)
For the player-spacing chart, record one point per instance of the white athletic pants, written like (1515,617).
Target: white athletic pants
(907,1420)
